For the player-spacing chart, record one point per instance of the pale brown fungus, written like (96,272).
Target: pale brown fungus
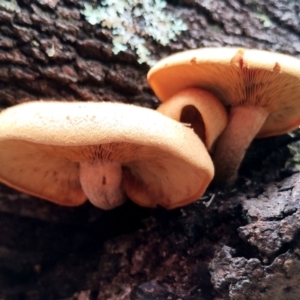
(66,152)
(260,89)
(200,110)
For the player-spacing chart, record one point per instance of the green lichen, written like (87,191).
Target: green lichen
(9,5)
(294,161)
(267,23)
(134,21)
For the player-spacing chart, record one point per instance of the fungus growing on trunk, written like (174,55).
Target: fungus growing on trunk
(260,89)
(66,152)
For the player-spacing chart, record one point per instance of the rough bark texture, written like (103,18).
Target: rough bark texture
(245,245)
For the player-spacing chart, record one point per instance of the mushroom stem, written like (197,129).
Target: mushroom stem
(244,124)
(200,109)
(101,182)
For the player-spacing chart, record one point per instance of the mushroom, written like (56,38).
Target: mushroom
(200,110)
(66,152)
(260,89)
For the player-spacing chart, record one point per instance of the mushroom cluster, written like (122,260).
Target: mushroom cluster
(259,90)
(66,152)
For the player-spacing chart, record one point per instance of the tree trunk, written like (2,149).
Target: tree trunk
(245,245)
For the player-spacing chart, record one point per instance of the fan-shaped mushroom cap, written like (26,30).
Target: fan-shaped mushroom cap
(262,90)
(43,145)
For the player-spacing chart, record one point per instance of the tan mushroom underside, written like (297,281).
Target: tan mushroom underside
(237,77)
(42,143)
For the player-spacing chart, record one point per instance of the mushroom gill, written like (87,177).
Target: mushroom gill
(65,152)
(259,89)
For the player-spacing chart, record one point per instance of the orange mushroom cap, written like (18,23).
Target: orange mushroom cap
(261,89)
(44,146)
(200,110)
(237,77)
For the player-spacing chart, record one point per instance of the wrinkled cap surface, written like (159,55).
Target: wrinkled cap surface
(237,77)
(42,144)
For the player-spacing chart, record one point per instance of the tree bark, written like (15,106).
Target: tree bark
(243,246)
